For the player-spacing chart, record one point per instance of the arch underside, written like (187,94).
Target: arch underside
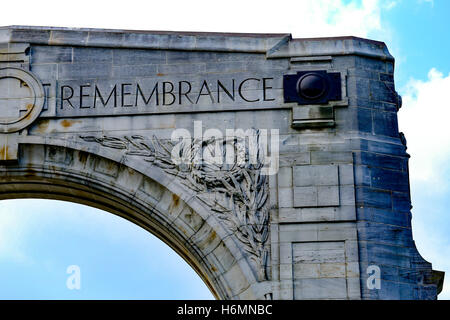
(68,174)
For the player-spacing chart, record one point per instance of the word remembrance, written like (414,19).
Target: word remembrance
(274,166)
(145,95)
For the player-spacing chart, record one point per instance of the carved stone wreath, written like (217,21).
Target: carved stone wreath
(236,192)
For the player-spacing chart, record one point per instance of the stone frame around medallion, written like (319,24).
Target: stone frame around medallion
(38,97)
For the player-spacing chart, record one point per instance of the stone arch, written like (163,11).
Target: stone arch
(339,202)
(71,171)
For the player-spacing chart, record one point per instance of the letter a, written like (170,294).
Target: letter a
(74,280)
(374,279)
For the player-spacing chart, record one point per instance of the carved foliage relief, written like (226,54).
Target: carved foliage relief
(236,191)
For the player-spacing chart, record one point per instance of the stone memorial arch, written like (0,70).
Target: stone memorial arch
(115,119)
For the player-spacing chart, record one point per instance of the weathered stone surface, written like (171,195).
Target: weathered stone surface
(88,116)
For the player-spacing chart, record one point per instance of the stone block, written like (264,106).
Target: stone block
(9,148)
(313,112)
(366,63)
(388,147)
(323,288)
(346,174)
(296,233)
(389,180)
(332,270)
(169,69)
(305,197)
(84,71)
(109,168)
(74,37)
(285,177)
(306,271)
(330,232)
(365,123)
(236,280)
(45,71)
(373,198)
(51,54)
(206,239)
(318,253)
(90,55)
(306,214)
(289,160)
(152,189)
(385,233)
(382,161)
(387,77)
(224,256)
(327,157)
(385,124)
(346,196)
(401,203)
(382,91)
(285,198)
(328,196)
(316,175)
(138,57)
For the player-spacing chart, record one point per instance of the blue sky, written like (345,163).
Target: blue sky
(117,259)
(39,239)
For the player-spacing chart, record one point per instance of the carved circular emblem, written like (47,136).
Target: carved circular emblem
(22,98)
(312,86)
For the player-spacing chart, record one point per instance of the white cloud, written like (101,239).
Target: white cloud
(302,18)
(424,120)
(434,247)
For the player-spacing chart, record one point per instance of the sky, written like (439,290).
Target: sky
(40,239)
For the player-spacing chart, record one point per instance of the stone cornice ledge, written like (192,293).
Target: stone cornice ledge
(273,45)
(193,41)
(332,46)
